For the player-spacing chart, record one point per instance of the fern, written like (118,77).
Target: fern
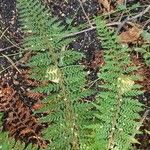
(116,105)
(62,77)
(108,123)
(145,51)
(67,85)
(7,143)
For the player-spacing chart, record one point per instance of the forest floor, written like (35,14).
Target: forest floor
(128,18)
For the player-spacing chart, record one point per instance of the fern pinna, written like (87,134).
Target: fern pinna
(116,104)
(62,78)
(145,52)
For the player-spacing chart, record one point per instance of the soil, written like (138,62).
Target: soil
(69,12)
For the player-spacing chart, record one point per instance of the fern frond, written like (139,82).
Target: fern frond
(65,105)
(62,77)
(43,32)
(116,106)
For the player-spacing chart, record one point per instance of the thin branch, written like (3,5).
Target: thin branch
(142,119)
(3,32)
(132,18)
(13,64)
(80,32)
(89,29)
(14,45)
(85,13)
(140,14)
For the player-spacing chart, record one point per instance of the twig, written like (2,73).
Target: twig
(15,45)
(85,13)
(80,32)
(13,64)
(5,69)
(132,18)
(147,22)
(143,118)
(3,32)
(90,29)
(140,14)
(22,60)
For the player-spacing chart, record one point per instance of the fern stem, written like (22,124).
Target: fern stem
(114,122)
(69,116)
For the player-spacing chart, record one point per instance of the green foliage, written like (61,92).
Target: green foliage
(107,123)
(42,31)
(146,35)
(7,143)
(145,51)
(62,77)
(116,105)
(65,88)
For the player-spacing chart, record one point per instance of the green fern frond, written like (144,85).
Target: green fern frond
(43,32)
(63,82)
(62,77)
(66,105)
(116,106)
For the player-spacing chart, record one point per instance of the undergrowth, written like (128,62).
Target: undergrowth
(73,123)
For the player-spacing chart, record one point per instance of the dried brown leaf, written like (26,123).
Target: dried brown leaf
(105,4)
(37,106)
(19,121)
(130,36)
(119,2)
(34,95)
